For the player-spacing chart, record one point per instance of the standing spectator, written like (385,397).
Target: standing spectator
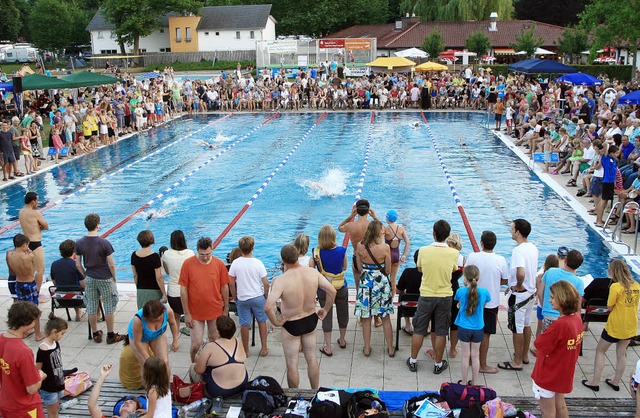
(8,158)
(64,272)
(95,262)
(558,348)
(521,291)
(355,229)
(20,379)
(621,326)
(436,262)
(32,223)
(610,168)
(331,262)
(494,271)
(147,271)
(172,261)
(250,288)
(204,291)
(498,108)
(393,234)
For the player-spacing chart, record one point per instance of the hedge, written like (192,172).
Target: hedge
(621,72)
(201,66)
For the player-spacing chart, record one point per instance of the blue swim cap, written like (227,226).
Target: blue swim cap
(392,215)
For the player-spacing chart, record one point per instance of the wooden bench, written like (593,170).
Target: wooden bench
(578,407)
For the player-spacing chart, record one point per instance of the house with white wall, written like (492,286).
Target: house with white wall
(214,28)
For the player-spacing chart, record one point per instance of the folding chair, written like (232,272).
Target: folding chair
(407,306)
(595,310)
(66,297)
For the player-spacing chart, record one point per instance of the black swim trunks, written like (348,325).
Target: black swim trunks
(301,326)
(33,245)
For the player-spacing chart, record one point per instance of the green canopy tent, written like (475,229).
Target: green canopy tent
(88,79)
(42,82)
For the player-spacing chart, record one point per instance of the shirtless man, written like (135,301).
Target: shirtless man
(297,288)
(32,223)
(21,261)
(356,229)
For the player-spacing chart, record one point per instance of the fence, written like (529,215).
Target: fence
(167,58)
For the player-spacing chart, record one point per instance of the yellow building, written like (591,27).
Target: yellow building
(182,33)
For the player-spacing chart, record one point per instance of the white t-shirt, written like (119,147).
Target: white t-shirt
(173,260)
(303,260)
(589,153)
(525,255)
(493,268)
(248,272)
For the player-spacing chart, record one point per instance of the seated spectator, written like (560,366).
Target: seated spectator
(409,282)
(64,272)
(222,362)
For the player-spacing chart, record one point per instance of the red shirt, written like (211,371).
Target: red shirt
(18,370)
(204,283)
(558,349)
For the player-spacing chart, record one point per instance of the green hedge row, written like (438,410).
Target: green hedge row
(201,66)
(621,72)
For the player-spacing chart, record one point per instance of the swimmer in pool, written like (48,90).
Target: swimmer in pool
(206,144)
(462,143)
(415,125)
(319,187)
(296,288)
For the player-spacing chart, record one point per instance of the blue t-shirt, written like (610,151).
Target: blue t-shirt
(609,166)
(475,321)
(554,275)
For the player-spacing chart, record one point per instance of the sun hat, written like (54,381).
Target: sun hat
(392,216)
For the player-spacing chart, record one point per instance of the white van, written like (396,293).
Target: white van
(20,55)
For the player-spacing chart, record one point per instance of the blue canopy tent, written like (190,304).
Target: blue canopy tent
(632,98)
(6,87)
(579,79)
(540,66)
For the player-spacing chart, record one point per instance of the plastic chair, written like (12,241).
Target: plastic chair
(595,310)
(407,307)
(66,297)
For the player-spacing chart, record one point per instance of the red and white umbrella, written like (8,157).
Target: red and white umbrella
(488,58)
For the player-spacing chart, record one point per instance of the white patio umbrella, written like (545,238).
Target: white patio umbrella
(542,51)
(411,53)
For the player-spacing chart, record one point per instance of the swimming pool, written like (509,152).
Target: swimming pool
(201,190)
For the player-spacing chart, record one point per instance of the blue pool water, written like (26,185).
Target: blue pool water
(403,173)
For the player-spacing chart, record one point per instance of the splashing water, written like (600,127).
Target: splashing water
(332,184)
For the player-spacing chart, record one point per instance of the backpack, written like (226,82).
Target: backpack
(363,404)
(297,408)
(262,396)
(463,396)
(328,403)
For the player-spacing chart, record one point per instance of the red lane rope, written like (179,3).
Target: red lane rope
(452,187)
(264,185)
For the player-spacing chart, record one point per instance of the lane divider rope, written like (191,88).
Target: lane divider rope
(265,183)
(363,173)
(108,176)
(452,187)
(183,179)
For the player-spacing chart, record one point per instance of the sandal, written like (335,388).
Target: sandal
(571,183)
(97,336)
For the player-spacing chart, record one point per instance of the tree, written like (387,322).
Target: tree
(11,22)
(561,13)
(433,44)
(135,19)
(613,23)
(527,41)
(478,42)
(58,24)
(572,43)
(457,10)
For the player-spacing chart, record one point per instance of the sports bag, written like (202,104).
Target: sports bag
(182,392)
(76,383)
(463,396)
(329,403)
(365,403)
(411,405)
(262,396)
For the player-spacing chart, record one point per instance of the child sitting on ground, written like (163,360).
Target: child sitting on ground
(49,360)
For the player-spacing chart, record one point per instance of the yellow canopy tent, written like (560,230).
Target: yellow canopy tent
(399,64)
(430,66)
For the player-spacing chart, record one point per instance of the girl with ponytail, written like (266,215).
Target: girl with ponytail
(470,322)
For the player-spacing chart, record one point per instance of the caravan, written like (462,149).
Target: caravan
(24,54)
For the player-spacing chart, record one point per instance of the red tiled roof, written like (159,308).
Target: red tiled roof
(454,34)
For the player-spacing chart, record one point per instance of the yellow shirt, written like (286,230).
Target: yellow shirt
(437,261)
(623,319)
(86,127)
